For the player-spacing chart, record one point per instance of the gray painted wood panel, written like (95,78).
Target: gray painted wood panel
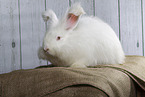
(32,29)
(58,6)
(143,25)
(131,26)
(88,5)
(107,10)
(9,36)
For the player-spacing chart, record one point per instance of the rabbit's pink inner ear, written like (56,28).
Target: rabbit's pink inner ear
(71,21)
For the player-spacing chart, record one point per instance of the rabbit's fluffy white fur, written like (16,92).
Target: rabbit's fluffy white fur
(79,41)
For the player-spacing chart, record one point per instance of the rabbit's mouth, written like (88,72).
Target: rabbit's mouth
(50,53)
(47,51)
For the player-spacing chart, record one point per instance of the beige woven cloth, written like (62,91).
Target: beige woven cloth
(101,81)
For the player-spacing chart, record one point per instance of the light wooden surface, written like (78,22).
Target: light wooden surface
(88,5)
(108,11)
(131,26)
(32,31)
(22,28)
(9,36)
(58,6)
(143,25)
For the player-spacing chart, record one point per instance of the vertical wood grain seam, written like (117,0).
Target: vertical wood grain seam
(119,20)
(45,22)
(20,34)
(142,26)
(69,2)
(45,4)
(94,8)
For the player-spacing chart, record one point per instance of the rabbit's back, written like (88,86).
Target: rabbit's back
(96,41)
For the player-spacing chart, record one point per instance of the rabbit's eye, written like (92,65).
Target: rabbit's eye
(58,38)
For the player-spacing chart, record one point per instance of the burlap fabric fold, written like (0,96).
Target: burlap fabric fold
(101,81)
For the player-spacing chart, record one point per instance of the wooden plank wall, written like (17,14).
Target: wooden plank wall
(131,26)
(9,36)
(22,28)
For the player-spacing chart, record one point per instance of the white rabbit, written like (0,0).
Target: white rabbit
(78,41)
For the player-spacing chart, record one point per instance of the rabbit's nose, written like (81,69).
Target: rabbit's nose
(46,49)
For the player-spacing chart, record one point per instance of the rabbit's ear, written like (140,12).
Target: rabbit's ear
(50,16)
(73,15)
